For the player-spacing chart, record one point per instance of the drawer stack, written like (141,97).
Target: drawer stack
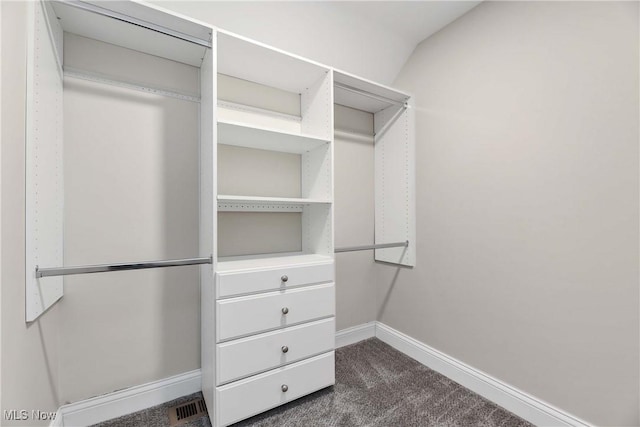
(275,333)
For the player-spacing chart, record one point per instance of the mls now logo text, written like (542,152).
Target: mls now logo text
(24,415)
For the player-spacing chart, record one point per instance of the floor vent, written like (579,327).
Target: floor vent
(182,414)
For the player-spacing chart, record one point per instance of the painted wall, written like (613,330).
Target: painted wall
(527,197)
(354,217)
(30,359)
(131,193)
(310,29)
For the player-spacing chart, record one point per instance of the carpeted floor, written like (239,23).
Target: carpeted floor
(376,386)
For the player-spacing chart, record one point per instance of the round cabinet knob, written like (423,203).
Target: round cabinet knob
(285,349)
(285,310)
(284,278)
(284,388)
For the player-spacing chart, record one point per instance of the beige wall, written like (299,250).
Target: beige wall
(30,360)
(353,216)
(527,174)
(527,198)
(131,193)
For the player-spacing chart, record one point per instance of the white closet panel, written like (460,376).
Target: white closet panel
(208,221)
(44,172)
(395,184)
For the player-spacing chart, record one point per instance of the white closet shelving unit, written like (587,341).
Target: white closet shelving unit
(273,311)
(394,151)
(128,25)
(308,135)
(267,303)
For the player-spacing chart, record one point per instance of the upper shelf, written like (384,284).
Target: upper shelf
(130,25)
(349,91)
(244,135)
(245,59)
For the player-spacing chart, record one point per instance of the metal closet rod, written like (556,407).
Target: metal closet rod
(370,247)
(368,94)
(103,268)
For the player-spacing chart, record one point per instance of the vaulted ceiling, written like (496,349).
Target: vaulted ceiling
(370,38)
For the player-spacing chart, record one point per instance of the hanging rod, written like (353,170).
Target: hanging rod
(367,94)
(138,22)
(369,247)
(103,268)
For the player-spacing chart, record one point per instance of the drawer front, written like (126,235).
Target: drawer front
(245,398)
(237,283)
(236,317)
(258,353)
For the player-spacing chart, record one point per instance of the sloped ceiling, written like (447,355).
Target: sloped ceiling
(372,39)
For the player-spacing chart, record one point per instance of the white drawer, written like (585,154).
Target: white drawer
(258,353)
(236,317)
(245,398)
(245,282)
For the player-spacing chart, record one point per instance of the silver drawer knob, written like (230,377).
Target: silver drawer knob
(284,278)
(284,388)
(285,349)
(285,310)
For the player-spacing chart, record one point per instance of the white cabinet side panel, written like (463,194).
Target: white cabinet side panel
(43,157)
(316,108)
(395,185)
(317,229)
(207,224)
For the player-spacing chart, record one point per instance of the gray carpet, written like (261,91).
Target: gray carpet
(376,386)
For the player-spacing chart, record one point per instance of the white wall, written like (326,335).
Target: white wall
(311,29)
(527,197)
(29,367)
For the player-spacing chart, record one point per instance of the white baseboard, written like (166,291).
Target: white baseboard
(123,402)
(138,398)
(520,403)
(119,403)
(355,334)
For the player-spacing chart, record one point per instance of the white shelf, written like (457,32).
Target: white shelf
(227,264)
(262,138)
(257,199)
(250,60)
(120,33)
(389,96)
(228,203)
